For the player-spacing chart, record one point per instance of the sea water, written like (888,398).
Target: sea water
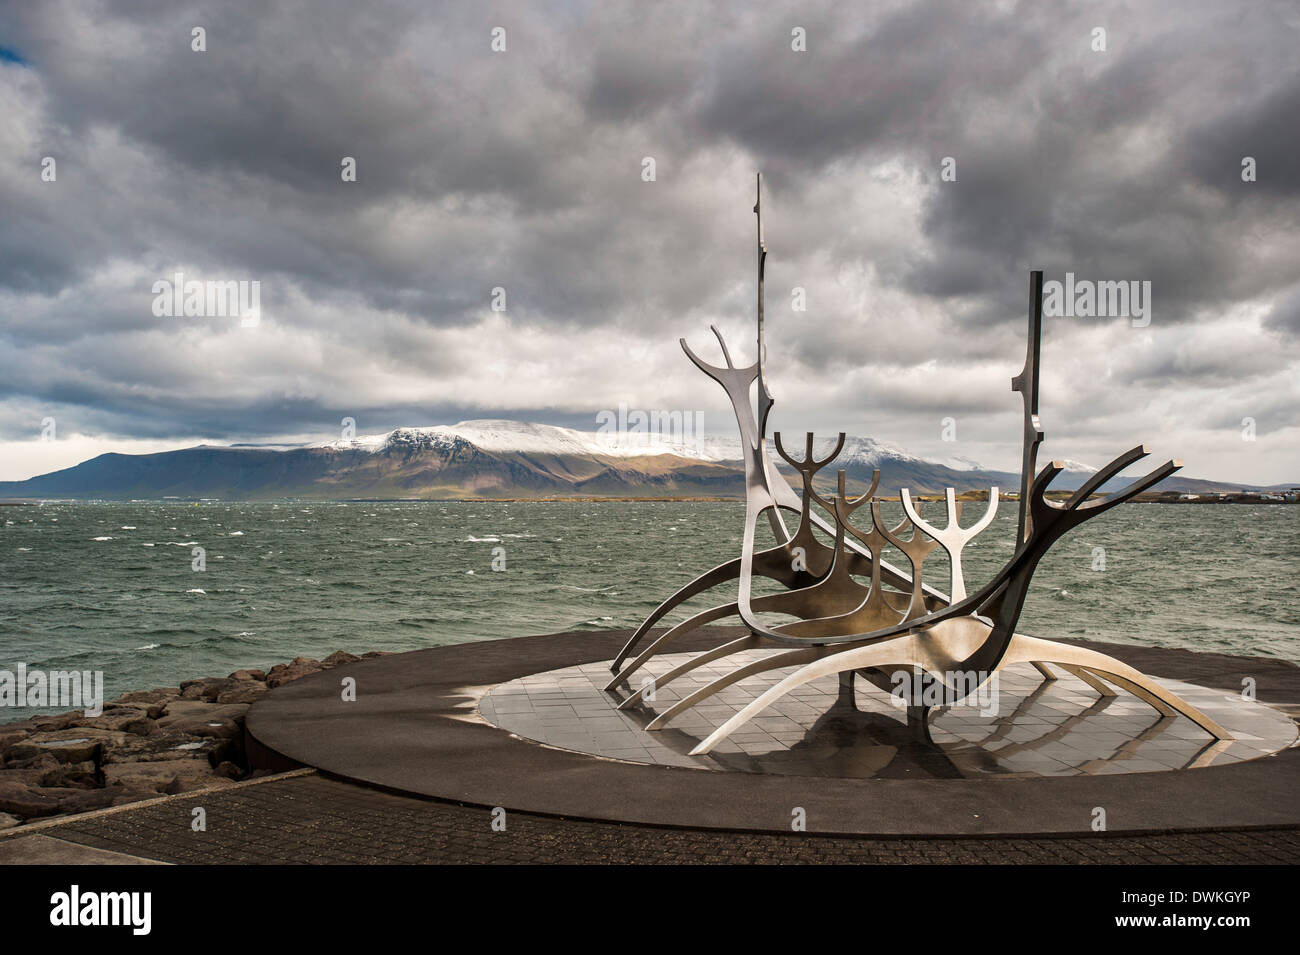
(113,587)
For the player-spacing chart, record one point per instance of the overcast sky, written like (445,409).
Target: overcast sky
(523,169)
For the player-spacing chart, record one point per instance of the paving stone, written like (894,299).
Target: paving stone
(315,820)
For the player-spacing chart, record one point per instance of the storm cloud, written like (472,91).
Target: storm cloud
(522,169)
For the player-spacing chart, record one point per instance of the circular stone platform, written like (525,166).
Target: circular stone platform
(422,723)
(1018,724)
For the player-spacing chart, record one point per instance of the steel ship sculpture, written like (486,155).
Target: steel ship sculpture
(894,622)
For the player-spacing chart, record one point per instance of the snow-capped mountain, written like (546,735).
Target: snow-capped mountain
(498,435)
(502,459)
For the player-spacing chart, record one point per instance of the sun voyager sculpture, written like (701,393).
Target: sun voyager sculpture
(895,621)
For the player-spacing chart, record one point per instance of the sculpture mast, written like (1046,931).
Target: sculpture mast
(1027,384)
(765,400)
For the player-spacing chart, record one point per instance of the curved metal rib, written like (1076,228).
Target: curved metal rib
(706,581)
(1080,673)
(708,656)
(836,590)
(1137,683)
(775,563)
(909,651)
(891,652)
(686,626)
(774,662)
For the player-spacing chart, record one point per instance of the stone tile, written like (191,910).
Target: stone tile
(1059,729)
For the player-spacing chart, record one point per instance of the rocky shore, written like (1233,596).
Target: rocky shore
(145,743)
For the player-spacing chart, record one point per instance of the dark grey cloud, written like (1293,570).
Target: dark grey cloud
(523,170)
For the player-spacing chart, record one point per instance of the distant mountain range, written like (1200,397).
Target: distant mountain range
(501,459)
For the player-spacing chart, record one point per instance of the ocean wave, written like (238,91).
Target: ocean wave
(1234,594)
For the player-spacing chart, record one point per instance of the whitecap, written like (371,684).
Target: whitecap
(126,527)
(102,538)
(235,534)
(481,540)
(196,590)
(148,646)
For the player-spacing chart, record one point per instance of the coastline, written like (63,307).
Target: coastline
(144,744)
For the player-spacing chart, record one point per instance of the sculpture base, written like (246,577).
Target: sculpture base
(1017,724)
(421,724)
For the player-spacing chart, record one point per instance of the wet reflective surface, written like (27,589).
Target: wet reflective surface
(1025,726)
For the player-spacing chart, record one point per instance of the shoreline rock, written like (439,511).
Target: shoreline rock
(146,743)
